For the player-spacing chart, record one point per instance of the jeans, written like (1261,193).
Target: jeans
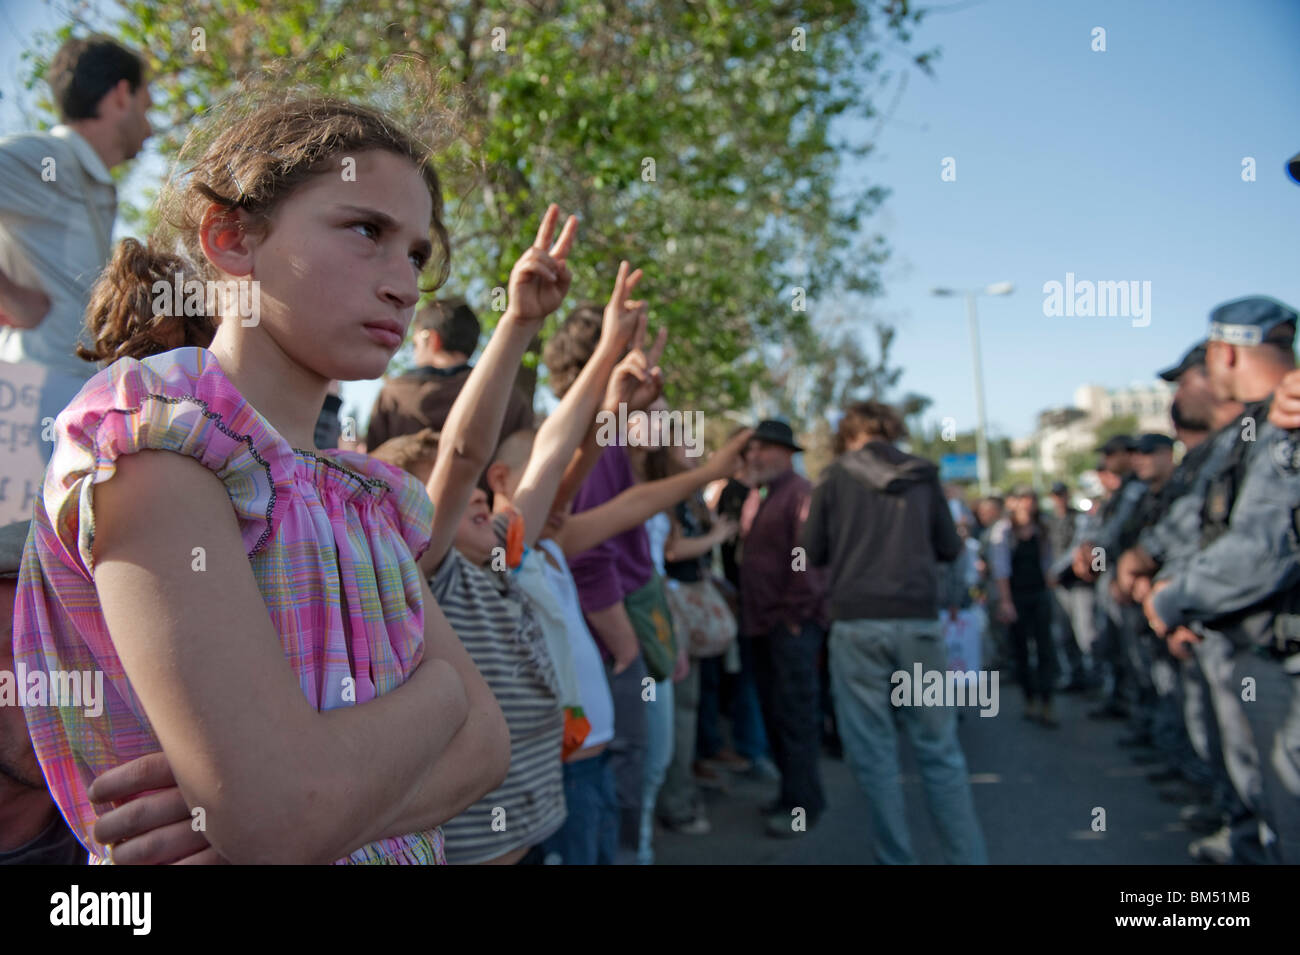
(747,729)
(864,655)
(785,672)
(679,800)
(627,748)
(658,754)
(708,735)
(589,835)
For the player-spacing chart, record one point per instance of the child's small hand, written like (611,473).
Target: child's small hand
(637,380)
(623,317)
(540,279)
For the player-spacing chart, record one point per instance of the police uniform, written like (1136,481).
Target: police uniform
(1213,715)
(1116,529)
(1245,582)
(1160,719)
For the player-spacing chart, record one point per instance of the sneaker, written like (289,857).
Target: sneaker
(1215,849)
(780,825)
(729,760)
(708,777)
(1032,712)
(764,770)
(694,826)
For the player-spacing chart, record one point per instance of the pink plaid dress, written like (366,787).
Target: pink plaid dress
(324,531)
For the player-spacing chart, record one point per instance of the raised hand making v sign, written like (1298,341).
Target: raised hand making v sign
(540,279)
(637,380)
(538,283)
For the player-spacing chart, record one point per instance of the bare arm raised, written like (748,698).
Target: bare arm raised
(638,504)
(559,437)
(538,283)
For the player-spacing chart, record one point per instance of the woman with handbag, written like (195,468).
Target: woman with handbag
(704,627)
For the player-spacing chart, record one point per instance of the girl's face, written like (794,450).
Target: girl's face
(339,269)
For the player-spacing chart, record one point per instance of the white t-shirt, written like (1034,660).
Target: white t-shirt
(593,685)
(658,528)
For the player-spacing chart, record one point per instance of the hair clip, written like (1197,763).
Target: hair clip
(240,197)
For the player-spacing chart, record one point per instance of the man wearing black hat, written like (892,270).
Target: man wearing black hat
(782,615)
(1245,581)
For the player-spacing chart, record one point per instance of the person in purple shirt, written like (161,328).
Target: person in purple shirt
(607,573)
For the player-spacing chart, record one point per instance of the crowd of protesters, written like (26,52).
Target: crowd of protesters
(485,638)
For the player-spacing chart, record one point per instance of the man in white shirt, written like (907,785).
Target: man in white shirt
(58,202)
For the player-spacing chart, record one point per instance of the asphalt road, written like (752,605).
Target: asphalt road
(1035,790)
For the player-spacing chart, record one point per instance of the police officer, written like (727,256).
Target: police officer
(1242,584)
(1094,561)
(1072,606)
(1213,713)
(1213,716)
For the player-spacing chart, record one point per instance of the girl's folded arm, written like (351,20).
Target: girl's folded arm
(477,759)
(278,781)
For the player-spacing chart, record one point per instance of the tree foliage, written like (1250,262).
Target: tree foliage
(696,139)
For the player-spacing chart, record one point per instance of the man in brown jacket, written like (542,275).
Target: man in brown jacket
(446,334)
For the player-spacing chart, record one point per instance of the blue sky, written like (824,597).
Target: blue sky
(1116,165)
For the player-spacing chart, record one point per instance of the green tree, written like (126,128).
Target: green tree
(693,138)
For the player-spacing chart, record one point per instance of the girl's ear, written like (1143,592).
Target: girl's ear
(225,241)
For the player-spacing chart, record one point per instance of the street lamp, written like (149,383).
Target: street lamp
(981,434)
